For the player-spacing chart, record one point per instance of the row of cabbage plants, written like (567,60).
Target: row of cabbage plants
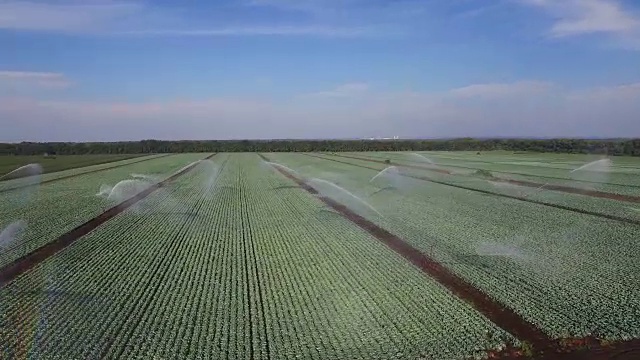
(35,215)
(248,268)
(93,291)
(621,209)
(618,179)
(572,274)
(355,279)
(10,184)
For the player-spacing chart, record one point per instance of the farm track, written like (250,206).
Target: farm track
(531,184)
(502,316)
(487,192)
(84,173)
(23,264)
(579,349)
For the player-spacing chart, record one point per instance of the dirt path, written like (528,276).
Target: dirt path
(578,349)
(23,264)
(84,173)
(531,184)
(572,190)
(487,192)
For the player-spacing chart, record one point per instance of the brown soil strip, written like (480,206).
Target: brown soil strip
(575,349)
(84,173)
(487,192)
(23,264)
(573,190)
(494,311)
(531,184)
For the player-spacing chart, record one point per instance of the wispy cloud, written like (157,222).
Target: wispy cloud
(479,10)
(371,9)
(347,90)
(587,17)
(499,90)
(118,18)
(319,31)
(608,93)
(314,7)
(393,17)
(33,79)
(66,16)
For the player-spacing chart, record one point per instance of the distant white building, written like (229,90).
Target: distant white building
(383,138)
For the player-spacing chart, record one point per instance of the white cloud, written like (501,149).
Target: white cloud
(347,90)
(28,79)
(388,18)
(497,90)
(353,9)
(63,17)
(321,31)
(121,18)
(525,108)
(584,17)
(306,6)
(610,93)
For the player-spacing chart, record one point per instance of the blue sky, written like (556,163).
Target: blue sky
(101,70)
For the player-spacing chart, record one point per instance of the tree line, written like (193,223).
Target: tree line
(584,146)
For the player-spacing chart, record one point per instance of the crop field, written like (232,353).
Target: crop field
(58,162)
(442,255)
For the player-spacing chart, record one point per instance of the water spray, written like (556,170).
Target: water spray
(126,189)
(390,169)
(281,167)
(538,189)
(25,181)
(422,158)
(499,250)
(341,191)
(12,233)
(602,165)
(24,172)
(507,186)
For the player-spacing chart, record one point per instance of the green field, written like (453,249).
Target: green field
(233,260)
(51,164)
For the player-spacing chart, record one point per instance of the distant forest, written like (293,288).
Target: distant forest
(584,146)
